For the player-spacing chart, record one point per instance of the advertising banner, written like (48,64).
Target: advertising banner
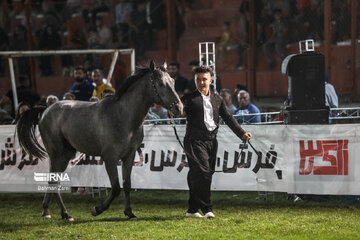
(311,159)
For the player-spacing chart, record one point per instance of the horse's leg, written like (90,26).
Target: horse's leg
(127,164)
(58,163)
(111,169)
(46,204)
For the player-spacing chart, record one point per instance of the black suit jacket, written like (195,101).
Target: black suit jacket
(193,107)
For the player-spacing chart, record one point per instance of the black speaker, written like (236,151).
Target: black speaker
(306,81)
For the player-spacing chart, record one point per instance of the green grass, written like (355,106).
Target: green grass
(161,216)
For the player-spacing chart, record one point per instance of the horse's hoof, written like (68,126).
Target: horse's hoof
(67,217)
(134,218)
(94,212)
(46,216)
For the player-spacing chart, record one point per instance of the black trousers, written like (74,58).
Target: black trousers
(201,155)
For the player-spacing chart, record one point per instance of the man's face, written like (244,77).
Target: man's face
(97,77)
(226,97)
(243,99)
(203,81)
(173,71)
(79,75)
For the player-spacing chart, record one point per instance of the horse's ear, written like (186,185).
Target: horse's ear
(152,65)
(164,65)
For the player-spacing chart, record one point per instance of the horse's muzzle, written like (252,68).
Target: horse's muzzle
(176,108)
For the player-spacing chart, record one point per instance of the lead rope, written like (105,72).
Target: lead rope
(195,160)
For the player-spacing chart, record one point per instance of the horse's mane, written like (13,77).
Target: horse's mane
(128,82)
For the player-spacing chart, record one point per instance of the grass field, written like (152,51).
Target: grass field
(161,216)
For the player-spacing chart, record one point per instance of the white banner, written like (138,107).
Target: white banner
(312,159)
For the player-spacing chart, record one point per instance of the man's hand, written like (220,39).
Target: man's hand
(247,136)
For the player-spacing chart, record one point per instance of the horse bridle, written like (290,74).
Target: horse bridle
(158,95)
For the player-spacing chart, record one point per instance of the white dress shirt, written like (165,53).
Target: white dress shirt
(208,113)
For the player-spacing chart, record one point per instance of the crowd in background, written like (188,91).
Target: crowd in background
(82,24)
(278,24)
(131,23)
(94,87)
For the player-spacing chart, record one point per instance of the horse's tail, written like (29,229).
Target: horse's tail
(26,128)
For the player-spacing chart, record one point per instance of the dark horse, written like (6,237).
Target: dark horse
(111,128)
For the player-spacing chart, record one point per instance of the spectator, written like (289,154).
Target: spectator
(238,88)
(22,107)
(245,108)
(103,33)
(243,33)
(278,39)
(71,7)
(82,88)
(155,17)
(76,40)
(180,81)
(179,22)
(123,10)
(140,34)
(68,96)
(98,77)
(49,40)
(97,6)
(226,95)
(51,17)
(331,98)
(24,94)
(51,99)
(226,42)
(160,111)
(19,43)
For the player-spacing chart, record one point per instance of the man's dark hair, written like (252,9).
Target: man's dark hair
(80,68)
(203,69)
(227,91)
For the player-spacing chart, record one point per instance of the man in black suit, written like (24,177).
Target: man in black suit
(203,109)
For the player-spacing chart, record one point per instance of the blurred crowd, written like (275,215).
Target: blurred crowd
(82,24)
(99,24)
(283,23)
(93,87)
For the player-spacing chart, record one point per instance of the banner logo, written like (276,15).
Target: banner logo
(51,177)
(334,152)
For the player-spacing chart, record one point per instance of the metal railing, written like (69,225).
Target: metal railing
(337,115)
(266,118)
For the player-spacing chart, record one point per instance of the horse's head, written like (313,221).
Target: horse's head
(163,88)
